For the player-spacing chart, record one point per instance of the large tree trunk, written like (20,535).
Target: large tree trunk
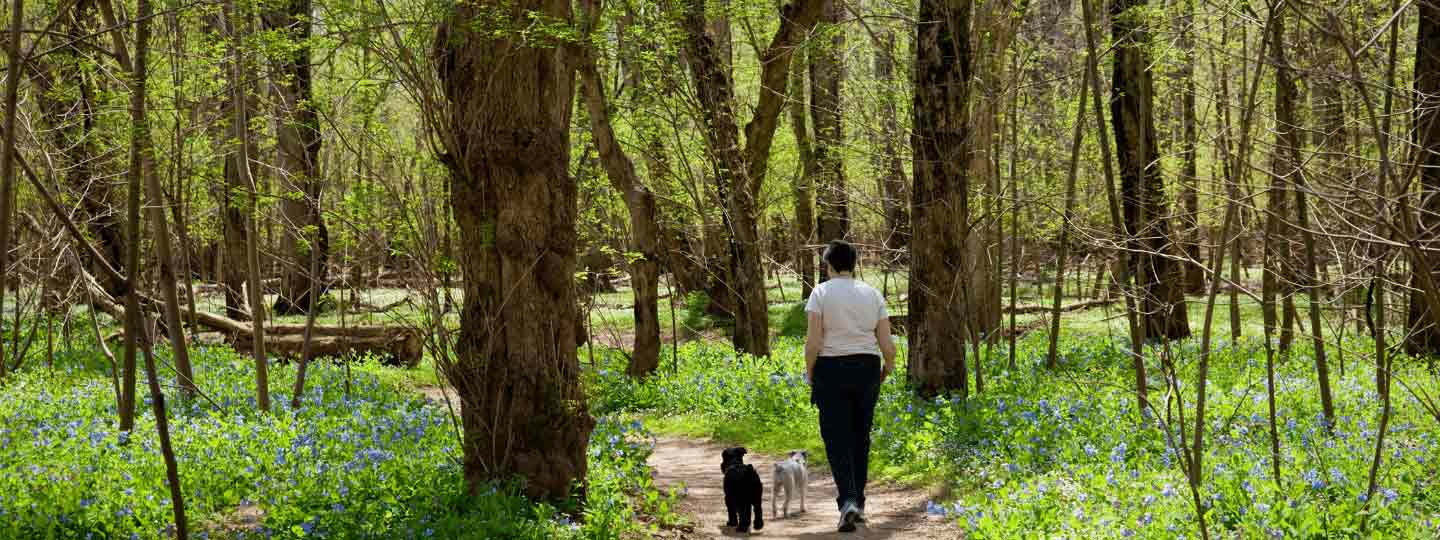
(507,145)
(826,72)
(894,197)
(233,260)
(740,173)
(1142,187)
(298,161)
(994,29)
(1425,325)
(940,143)
(639,200)
(804,189)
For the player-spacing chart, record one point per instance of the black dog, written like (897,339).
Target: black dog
(743,491)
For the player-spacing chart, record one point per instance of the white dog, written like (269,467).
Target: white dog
(792,476)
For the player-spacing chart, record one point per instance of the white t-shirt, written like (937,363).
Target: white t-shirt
(850,310)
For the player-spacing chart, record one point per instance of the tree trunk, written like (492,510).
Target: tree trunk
(506,143)
(1425,326)
(1142,187)
(826,72)
(142,168)
(639,200)
(940,143)
(298,161)
(244,182)
(894,199)
(232,260)
(1051,355)
(740,173)
(169,280)
(1278,286)
(7,164)
(1291,166)
(804,189)
(1189,172)
(994,29)
(1327,105)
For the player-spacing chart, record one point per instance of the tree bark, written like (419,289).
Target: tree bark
(994,24)
(168,276)
(506,145)
(242,181)
(639,200)
(1424,325)
(7,153)
(894,197)
(1291,166)
(142,169)
(740,173)
(826,73)
(1158,277)
(804,189)
(240,100)
(941,146)
(298,161)
(1189,172)
(1051,356)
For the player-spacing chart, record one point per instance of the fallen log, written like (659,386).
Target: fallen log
(398,346)
(899,325)
(1078,306)
(392,345)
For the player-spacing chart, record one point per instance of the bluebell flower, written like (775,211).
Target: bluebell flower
(1389,494)
(1337,476)
(934,509)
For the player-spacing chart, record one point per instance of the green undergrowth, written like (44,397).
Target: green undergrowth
(381,462)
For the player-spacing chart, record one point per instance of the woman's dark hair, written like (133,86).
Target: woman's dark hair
(841,256)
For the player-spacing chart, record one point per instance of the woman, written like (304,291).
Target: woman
(849,330)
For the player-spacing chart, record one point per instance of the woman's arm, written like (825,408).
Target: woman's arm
(887,347)
(814,340)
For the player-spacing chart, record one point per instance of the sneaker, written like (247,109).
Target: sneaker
(849,514)
(860,515)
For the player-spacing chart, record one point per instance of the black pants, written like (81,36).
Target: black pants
(845,389)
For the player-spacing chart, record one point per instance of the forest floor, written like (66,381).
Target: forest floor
(692,467)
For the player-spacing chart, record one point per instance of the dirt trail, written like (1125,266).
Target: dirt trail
(893,512)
